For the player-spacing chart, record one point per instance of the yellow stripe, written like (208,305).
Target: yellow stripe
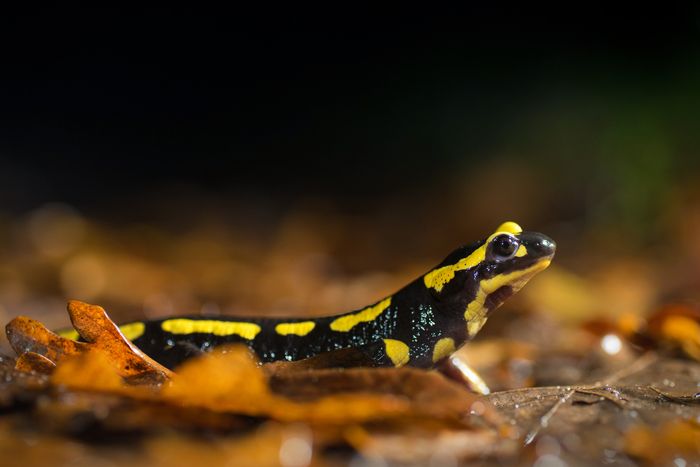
(443,348)
(397,352)
(300,329)
(218,328)
(133,331)
(347,322)
(475,314)
(437,278)
(516,279)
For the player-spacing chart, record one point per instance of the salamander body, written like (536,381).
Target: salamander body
(419,325)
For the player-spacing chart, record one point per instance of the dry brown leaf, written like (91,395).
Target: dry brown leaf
(28,335)
(677,325)
(430,393)
(34,362)
(93,325)
(228,379)
(674,439)
(89,371)
(100,334)
(433,447)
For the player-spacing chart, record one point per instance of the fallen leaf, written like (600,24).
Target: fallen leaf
(34,362)
(28,335)
(228,379)
(676,439)
(677,325)
(432,446)
(99,332)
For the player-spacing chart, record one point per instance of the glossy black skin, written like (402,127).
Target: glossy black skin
(417,316)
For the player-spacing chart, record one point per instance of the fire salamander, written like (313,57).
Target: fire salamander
(420,325)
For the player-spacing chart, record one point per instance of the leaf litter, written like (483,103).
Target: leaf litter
(69,402)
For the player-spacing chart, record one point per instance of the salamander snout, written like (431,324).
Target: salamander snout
(539,246)
(544,246)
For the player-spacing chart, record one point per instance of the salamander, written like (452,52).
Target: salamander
(420,325)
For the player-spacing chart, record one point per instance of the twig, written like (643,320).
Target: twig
(544,419)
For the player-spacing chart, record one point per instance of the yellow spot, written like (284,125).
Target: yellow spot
(475,309)
(218,328)
(522,251)
(300,329)
(437,278)
(347,322)
(69,334)
(475,314)
(397,352)
(510,227)
(132,331)
(443,348)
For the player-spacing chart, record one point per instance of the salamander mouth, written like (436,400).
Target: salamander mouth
(496,298)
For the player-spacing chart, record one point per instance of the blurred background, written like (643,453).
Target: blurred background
(170,161)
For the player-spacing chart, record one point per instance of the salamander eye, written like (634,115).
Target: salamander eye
(503,247)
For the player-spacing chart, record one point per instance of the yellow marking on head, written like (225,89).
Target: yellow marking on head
(522,251)
(218,328)
(437,278)
(299,329)
(71,334)
(397,352)
(516,279)
(443,348)
(133,331)
(475,314)
(509,227)
(347,322)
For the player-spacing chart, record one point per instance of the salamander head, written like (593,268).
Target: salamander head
(481,276)
(512,258)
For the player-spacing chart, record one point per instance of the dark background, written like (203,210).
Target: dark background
(103,108)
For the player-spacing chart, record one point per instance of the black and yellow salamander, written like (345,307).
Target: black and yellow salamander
(419,325)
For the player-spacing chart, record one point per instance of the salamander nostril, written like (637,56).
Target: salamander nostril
(547,245)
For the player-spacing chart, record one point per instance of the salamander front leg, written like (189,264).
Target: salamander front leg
(458,370)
